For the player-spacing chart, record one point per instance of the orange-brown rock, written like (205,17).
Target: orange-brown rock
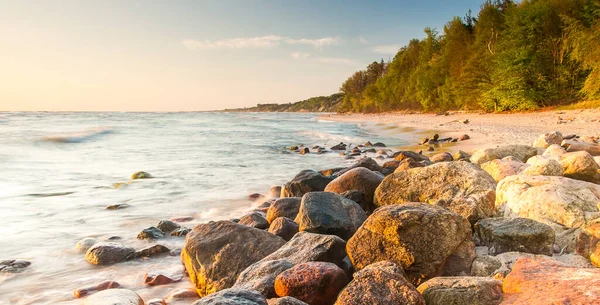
(81,292)
(284,207)
(380,283)
(588,245)
(361,179)
(163,277)
(538,281)
(316,283)
(284,228)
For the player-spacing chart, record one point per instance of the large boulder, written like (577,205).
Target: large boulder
(233,296)
(329,213)
(284,207)
(461,187)
(543,166)
(463,290)
(316,283)
(514,234)
(537,281)
(419,237)
(114,296)
(304,182)
(502,168)
(548,199)
(284,228)
(380,283)
(255,220)
(108,253)
(360,179)
(545,140)
(307,247)
(367,163)
(261,275)
(215,253)
(588,244)
(520,152)
(580,165)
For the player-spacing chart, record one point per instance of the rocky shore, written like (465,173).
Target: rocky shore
(514,224)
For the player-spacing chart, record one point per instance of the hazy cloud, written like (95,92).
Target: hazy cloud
(362,40)
(256,42)
(299,55)
(387,49)
(336,60)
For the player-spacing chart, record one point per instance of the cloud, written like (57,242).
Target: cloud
(362,40)
(317,43)
(336,60)
(387,49)
(299,55)
(258,42)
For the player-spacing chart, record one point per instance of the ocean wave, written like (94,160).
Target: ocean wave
(77,137)
(330,137)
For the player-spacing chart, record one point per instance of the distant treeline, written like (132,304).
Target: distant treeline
(330,103)
(509,57)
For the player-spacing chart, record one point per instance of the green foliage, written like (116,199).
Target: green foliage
(330,103)
(509,57)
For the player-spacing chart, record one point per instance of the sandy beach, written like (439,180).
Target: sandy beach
(489,129)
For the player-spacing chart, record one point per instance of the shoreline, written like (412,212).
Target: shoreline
(485,130)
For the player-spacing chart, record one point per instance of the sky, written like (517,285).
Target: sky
(151,55)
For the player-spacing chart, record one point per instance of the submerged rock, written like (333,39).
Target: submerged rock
(212,253)
(82,292)
(14,265)
(108,253)
(141,175)
(316,283)
(464,290)
(380,283)
(461,187)
(118,206)
(86,243)
(114,296)
(329,213)
(420,238)
(151,233)
(167,226)
(163,277)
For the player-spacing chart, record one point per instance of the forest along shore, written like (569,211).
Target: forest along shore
(487,129)
(514,224)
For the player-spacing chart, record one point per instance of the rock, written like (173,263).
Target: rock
(181,294)
(181,232)
(284,228)
(485,266)
(461,187)
(502,168)
(379,144)
(368,144)
(581,166)
(514,234)
(464,290)
(461,155)
(167,226)
(390,166)
(548,199)
(548,139)
(542,281)
(307,247)
(356,196)
(108,253)
(284,207)
(141,175)
(255,220)
(329,213)
(151,233)
(114,297)
(520,152)
(211,254)
(330,171)
(82,292)
(156,302)
(256,197)
(304,151)
(340,146)
(554,151)
(182,218)
(380,283)
(401,155)
(306,181)
(117,206)
(275,191)
(151,251)
(574,145)
(360,179)
(13,265)
(442,157)
(86,243)
(285,301)
(367,163)
(233,296)
(407,164)
(587,244)
(163,277)
(542,166)
(418,237)
(435,137)
(464,137)
(316,283)
(261,276)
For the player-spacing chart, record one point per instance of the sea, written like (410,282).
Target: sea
(58,171)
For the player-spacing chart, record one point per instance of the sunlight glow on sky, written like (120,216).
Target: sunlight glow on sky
(197,55)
